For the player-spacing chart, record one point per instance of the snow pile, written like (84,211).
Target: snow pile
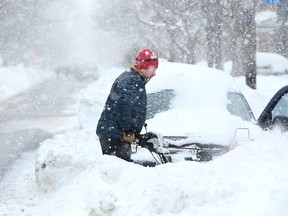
(62,158)
(250,180)
(74,178)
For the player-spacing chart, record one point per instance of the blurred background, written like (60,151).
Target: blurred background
(87,33)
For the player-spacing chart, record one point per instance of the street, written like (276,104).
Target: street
(29,118)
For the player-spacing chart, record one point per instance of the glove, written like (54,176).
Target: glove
(147,137)
(128,137)
(147,140)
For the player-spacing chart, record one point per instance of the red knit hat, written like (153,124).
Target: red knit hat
(146,59)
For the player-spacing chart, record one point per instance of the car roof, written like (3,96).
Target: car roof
(174,75)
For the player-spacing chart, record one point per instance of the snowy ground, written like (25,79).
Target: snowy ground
(15,80)
(251,180)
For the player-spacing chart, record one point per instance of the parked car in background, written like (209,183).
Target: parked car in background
(78,71)
(271,64)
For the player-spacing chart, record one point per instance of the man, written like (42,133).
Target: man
(124,113)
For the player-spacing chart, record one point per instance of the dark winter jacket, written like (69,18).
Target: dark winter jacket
(125,108)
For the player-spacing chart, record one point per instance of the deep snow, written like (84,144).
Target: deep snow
(250,180)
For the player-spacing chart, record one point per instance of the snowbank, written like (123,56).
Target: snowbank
(251,180)
(15,80)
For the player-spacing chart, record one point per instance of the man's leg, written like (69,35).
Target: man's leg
(115,146)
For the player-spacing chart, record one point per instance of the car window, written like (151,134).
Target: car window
(276,111)
(281,107)
(158,102)
(238,106)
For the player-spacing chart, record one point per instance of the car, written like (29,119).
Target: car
(199,113)
(78,71)
(271,64)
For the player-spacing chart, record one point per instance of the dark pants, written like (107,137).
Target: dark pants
(117,147)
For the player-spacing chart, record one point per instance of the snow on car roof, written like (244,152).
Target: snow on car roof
(177,75)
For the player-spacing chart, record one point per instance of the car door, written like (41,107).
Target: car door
(276,111)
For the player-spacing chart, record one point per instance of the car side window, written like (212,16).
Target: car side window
(276,111)
(281,109)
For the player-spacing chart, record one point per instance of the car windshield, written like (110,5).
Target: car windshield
(158,102)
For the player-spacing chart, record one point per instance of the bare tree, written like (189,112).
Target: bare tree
(282,29)
(243,40)
(32,32)
(249,57)
(19,33)
(171,27)
(213,11)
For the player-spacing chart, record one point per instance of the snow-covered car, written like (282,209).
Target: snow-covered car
(78,71)
(199,113)
(271,64)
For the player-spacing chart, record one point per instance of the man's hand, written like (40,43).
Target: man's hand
(128,137)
